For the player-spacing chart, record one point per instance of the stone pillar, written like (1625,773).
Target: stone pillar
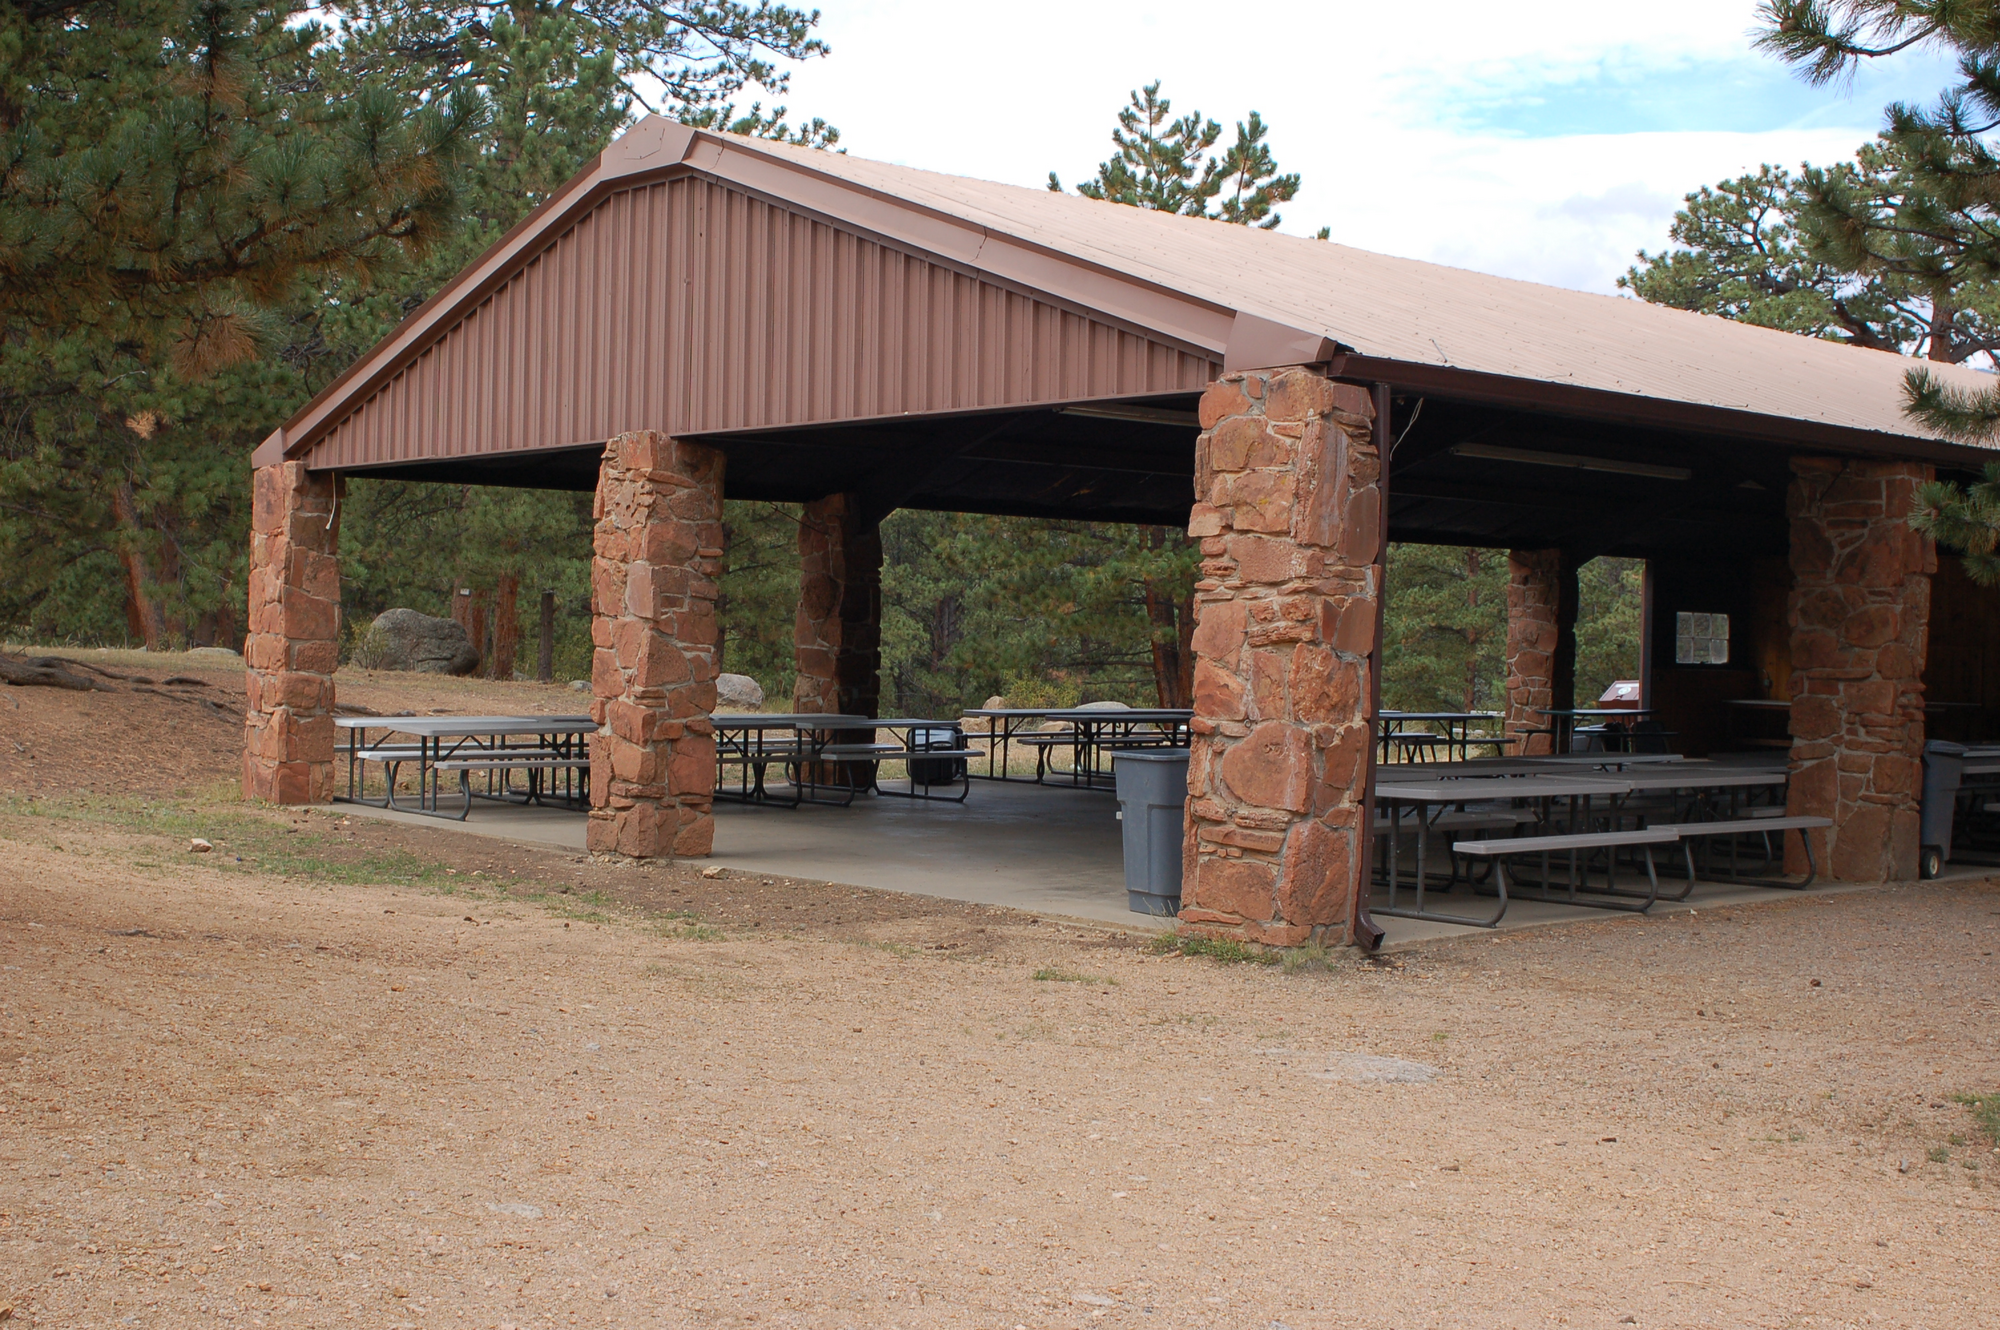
(838,634)
(1541,643)
(1289,518)
(293,646)
(1860,612)
(653,588)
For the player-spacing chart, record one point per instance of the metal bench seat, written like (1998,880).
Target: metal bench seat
(1569,845)
(761,754)
(1753,825)
(507,760)
(511,762)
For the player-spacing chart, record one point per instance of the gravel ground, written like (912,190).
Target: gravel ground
(294,1082)
(240,1096)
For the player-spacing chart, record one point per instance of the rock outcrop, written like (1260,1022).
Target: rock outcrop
(403,639)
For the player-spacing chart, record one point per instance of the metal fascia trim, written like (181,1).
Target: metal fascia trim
(1256,342)
(1600,404)
(271,450)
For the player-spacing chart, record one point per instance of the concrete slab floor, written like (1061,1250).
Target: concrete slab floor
(1043,849)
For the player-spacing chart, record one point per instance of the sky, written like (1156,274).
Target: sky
(1544,139)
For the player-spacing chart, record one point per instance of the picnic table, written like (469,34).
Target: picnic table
(1562,721)
(1695,801)
(1091,734)
(1532,791)
(1392,731)
(823,754)
(555,764)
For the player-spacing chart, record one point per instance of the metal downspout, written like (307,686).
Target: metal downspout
(1366,931)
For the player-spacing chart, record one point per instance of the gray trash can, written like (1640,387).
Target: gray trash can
(1152,799)
(1944,772)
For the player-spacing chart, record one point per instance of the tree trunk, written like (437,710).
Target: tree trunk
(1471,634)
(482,640)
(1941,345)
(142,610)
(506,624)
(545,653)
(1172,622)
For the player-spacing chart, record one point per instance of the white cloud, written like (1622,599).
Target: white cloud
(1540,140)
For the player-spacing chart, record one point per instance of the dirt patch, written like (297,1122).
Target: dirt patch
(337,1071)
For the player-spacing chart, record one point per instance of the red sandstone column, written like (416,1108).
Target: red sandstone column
(293,647)
(1860,612)
(1290,523)
(838,634)
(653,587)
(1541,643)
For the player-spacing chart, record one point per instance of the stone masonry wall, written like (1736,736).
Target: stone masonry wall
(838,634)
(293,646)
(1289,517)
(653,587)
(1534,598)
(1860,612)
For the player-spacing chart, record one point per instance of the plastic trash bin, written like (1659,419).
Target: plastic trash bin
(1944,772)
(937,770)
(1152,801)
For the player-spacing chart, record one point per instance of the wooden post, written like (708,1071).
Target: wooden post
(475,626)
(506,624)
(545,654)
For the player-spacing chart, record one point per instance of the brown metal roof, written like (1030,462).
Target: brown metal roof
(708,283)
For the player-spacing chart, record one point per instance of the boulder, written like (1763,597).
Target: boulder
(1103,706)
(738,692)
(403,639)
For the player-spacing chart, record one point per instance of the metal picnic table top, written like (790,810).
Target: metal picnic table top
(798,720)
(1696,776)
(1594,711)
(446,727)
(1152,715)
(1478,788)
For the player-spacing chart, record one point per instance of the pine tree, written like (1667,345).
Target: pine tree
(1444,626)
(562,81)
(1943,213)
(1164,163)
(1167,163)
(1758,249)
(175,172)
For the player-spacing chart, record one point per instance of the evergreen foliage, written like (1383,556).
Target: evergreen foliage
(1897,250)
(211,207)
(1967,519)
(177,174)
(1942,215)
(1164,163)
(1756,249)
(1444,644)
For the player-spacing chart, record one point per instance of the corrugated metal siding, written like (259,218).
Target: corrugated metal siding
(696,307)
(1409,311)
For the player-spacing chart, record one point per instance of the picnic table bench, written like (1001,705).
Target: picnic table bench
(471,743)
(1569,845)
(824,764)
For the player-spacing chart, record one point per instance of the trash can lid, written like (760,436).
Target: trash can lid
(1150,755)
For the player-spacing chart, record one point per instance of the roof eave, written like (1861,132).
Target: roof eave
(1608,407)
